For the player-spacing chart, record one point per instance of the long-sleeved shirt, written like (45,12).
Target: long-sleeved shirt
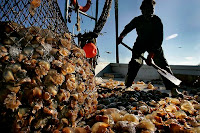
(150,32)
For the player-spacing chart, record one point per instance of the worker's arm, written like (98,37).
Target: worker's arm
(128,28)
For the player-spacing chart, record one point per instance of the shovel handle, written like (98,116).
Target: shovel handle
(153,64)
(169,76)
(126,46)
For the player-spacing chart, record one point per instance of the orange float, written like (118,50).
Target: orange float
(35,3)
(90,50)
(83,8)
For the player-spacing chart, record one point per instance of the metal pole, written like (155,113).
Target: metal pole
(116,26)
(97,11)
(66,10)
(85,14)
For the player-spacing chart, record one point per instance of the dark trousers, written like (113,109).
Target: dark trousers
(136,62)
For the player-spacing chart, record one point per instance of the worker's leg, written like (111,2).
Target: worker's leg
(134,66)
(160,60)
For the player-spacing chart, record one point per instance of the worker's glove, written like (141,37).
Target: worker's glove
(149,58)
(119,39)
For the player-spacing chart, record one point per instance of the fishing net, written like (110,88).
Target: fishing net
(46,83)
(44,14)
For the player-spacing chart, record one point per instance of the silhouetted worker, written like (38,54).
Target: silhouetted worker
(150,36)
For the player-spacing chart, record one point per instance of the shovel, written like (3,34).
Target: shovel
(161,71)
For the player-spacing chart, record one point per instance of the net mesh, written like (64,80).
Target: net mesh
(46,16)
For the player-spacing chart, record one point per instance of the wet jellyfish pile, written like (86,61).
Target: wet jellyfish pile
(143,108)
(46,83)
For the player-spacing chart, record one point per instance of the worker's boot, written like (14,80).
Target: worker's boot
(176,93)
(128,81)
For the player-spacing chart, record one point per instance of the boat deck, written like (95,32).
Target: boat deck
(158,84)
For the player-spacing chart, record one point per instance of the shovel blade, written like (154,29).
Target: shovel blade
(170,77)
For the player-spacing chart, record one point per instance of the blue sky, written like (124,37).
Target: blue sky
(181,20)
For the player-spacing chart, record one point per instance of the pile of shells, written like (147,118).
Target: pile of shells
(112,94)
(142,108)
(46,82)
(47,85)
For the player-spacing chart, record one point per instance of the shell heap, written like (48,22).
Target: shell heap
(46,82)
(47,85)
(142,108)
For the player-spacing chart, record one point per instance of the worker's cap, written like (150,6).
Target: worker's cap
(147,4)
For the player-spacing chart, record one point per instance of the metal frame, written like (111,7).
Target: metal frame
(67,7)
(76,9)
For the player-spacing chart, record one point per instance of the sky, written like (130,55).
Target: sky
(180,18)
